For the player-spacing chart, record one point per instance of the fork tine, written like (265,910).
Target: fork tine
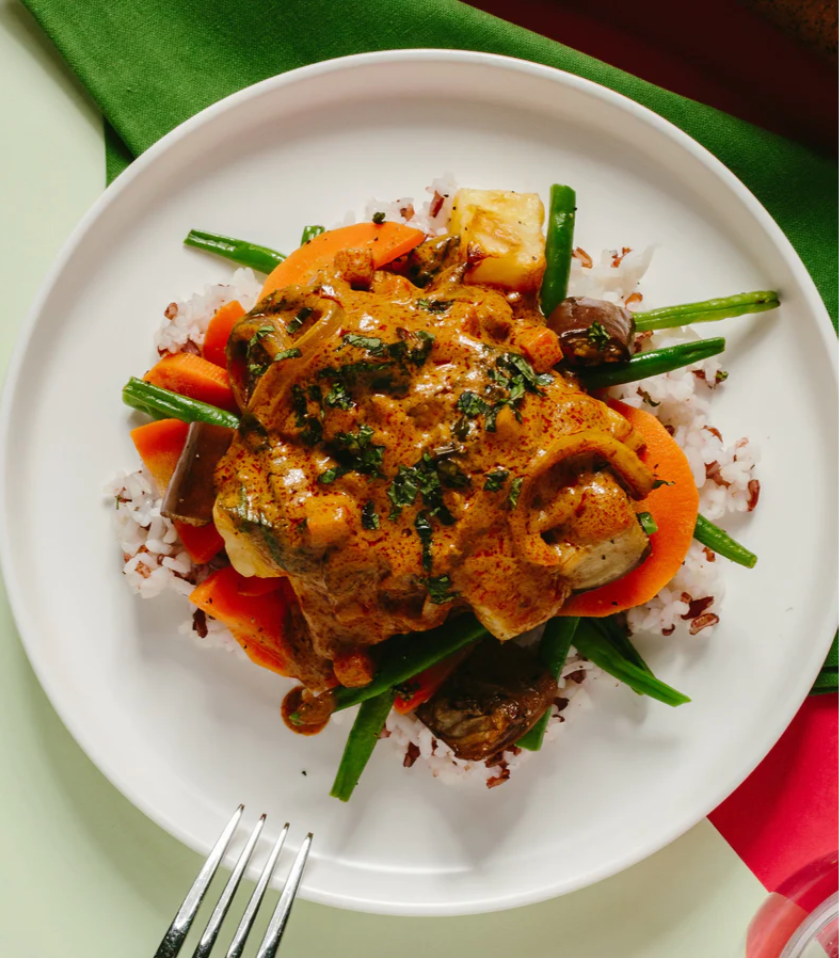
(178,930)
(277,925)
(240,938)
(211,932)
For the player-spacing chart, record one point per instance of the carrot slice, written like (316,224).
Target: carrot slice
(190,375)
(258,622)
(160,444)
(387,241)
(674,510)
(218,332)
(203,543)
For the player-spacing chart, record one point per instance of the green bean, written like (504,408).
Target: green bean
(590,641)
(405,656)
(310,232)
(714,538)
(707,311)
(559,240)
(620,641)
(360,744)
(652,364)
(260,258)
(553,652)
(163,404)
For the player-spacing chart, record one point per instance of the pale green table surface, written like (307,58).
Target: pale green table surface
(86,874)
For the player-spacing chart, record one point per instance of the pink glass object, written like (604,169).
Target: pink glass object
(799,919)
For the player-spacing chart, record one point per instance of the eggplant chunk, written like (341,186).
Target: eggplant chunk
(191,492)
(592,331)
(490,701)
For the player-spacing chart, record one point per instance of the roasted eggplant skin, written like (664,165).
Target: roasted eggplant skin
(191,493)
(593,332)
(490,701)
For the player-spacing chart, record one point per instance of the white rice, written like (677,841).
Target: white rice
(154,560)
(186,321)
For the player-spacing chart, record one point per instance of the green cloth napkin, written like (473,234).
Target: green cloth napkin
(153,64)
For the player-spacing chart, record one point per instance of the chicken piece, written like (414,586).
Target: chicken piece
(490,701)
(410,462)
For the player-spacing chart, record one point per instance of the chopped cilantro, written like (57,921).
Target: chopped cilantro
(515,490)
(721,376)
(373,344)
(424,531)
(647,522)
(330,475)
(461,428)
(378,218)
(337,397)
(419,354)
(646,397)
(495,480)
(452,475)
(370,520)
(367,458)
(435,305)
(471,404)
(403,490)
(294,325)
(598,335)
(439,589)
(661,482)
(287,354)
(261,333)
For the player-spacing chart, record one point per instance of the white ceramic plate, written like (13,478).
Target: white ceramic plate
(187,735)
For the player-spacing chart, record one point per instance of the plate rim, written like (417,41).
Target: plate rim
(27,631)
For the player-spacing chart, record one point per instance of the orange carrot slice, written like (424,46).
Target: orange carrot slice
(203,543)
(160,444)
(258,622)
(387,241)
(218,333)
(190,375)
(674,510)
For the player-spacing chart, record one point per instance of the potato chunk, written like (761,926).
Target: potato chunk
(501,237)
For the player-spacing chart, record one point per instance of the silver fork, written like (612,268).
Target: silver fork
(173,940)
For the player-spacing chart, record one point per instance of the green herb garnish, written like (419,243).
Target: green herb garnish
(330,475)
(647,522)
(495,480)
(260,334)
(515,490)
(370,520)
(424,531)
(287,354)
(378,218)
(294,325)
(435,305)
(471,404)
(337,397)
(661,482)
(439,589)
(598,335)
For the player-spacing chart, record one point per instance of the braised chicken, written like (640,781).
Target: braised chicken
(407,452)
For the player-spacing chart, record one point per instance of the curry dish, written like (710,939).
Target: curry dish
(402,458)
(418,458)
